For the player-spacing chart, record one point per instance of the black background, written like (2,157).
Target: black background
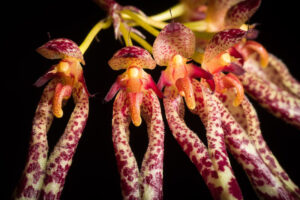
(93,174)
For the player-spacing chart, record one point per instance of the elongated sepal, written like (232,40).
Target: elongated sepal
(60,160)
(280,75)
(33,175)
(190,143)
(151,172)
(266,184)
(173,39)
(256,137)
(217,148)
(221,42)
(241,12)
(61,48)
(131,56)
(276,99)
(126,162)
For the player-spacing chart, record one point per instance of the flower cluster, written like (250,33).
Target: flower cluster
(211,61)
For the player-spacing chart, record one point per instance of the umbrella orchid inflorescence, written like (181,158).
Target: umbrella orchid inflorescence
(212,62)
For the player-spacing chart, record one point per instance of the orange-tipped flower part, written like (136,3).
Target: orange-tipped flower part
(173,39)
(230,80)
(62,92)
(185,89)
(135,102)
(131,56)
(258,48)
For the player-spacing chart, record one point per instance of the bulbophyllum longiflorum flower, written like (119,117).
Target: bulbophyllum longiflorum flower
(225,127)
(44,177)
(137,96)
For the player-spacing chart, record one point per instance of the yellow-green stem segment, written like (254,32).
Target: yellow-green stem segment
(141,22)
(171,13)
(141,41)
(103,24)
(125,34)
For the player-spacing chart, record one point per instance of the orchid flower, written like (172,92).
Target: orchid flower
(137,96)
(44,177)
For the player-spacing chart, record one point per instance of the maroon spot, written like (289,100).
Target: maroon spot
(234,189)
(30,192)
(215,191)
(33,167)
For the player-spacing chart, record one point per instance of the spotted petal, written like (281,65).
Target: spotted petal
(131,56)
(216,13)
(174,39)
(221,42)
(60,48)
(240,13)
